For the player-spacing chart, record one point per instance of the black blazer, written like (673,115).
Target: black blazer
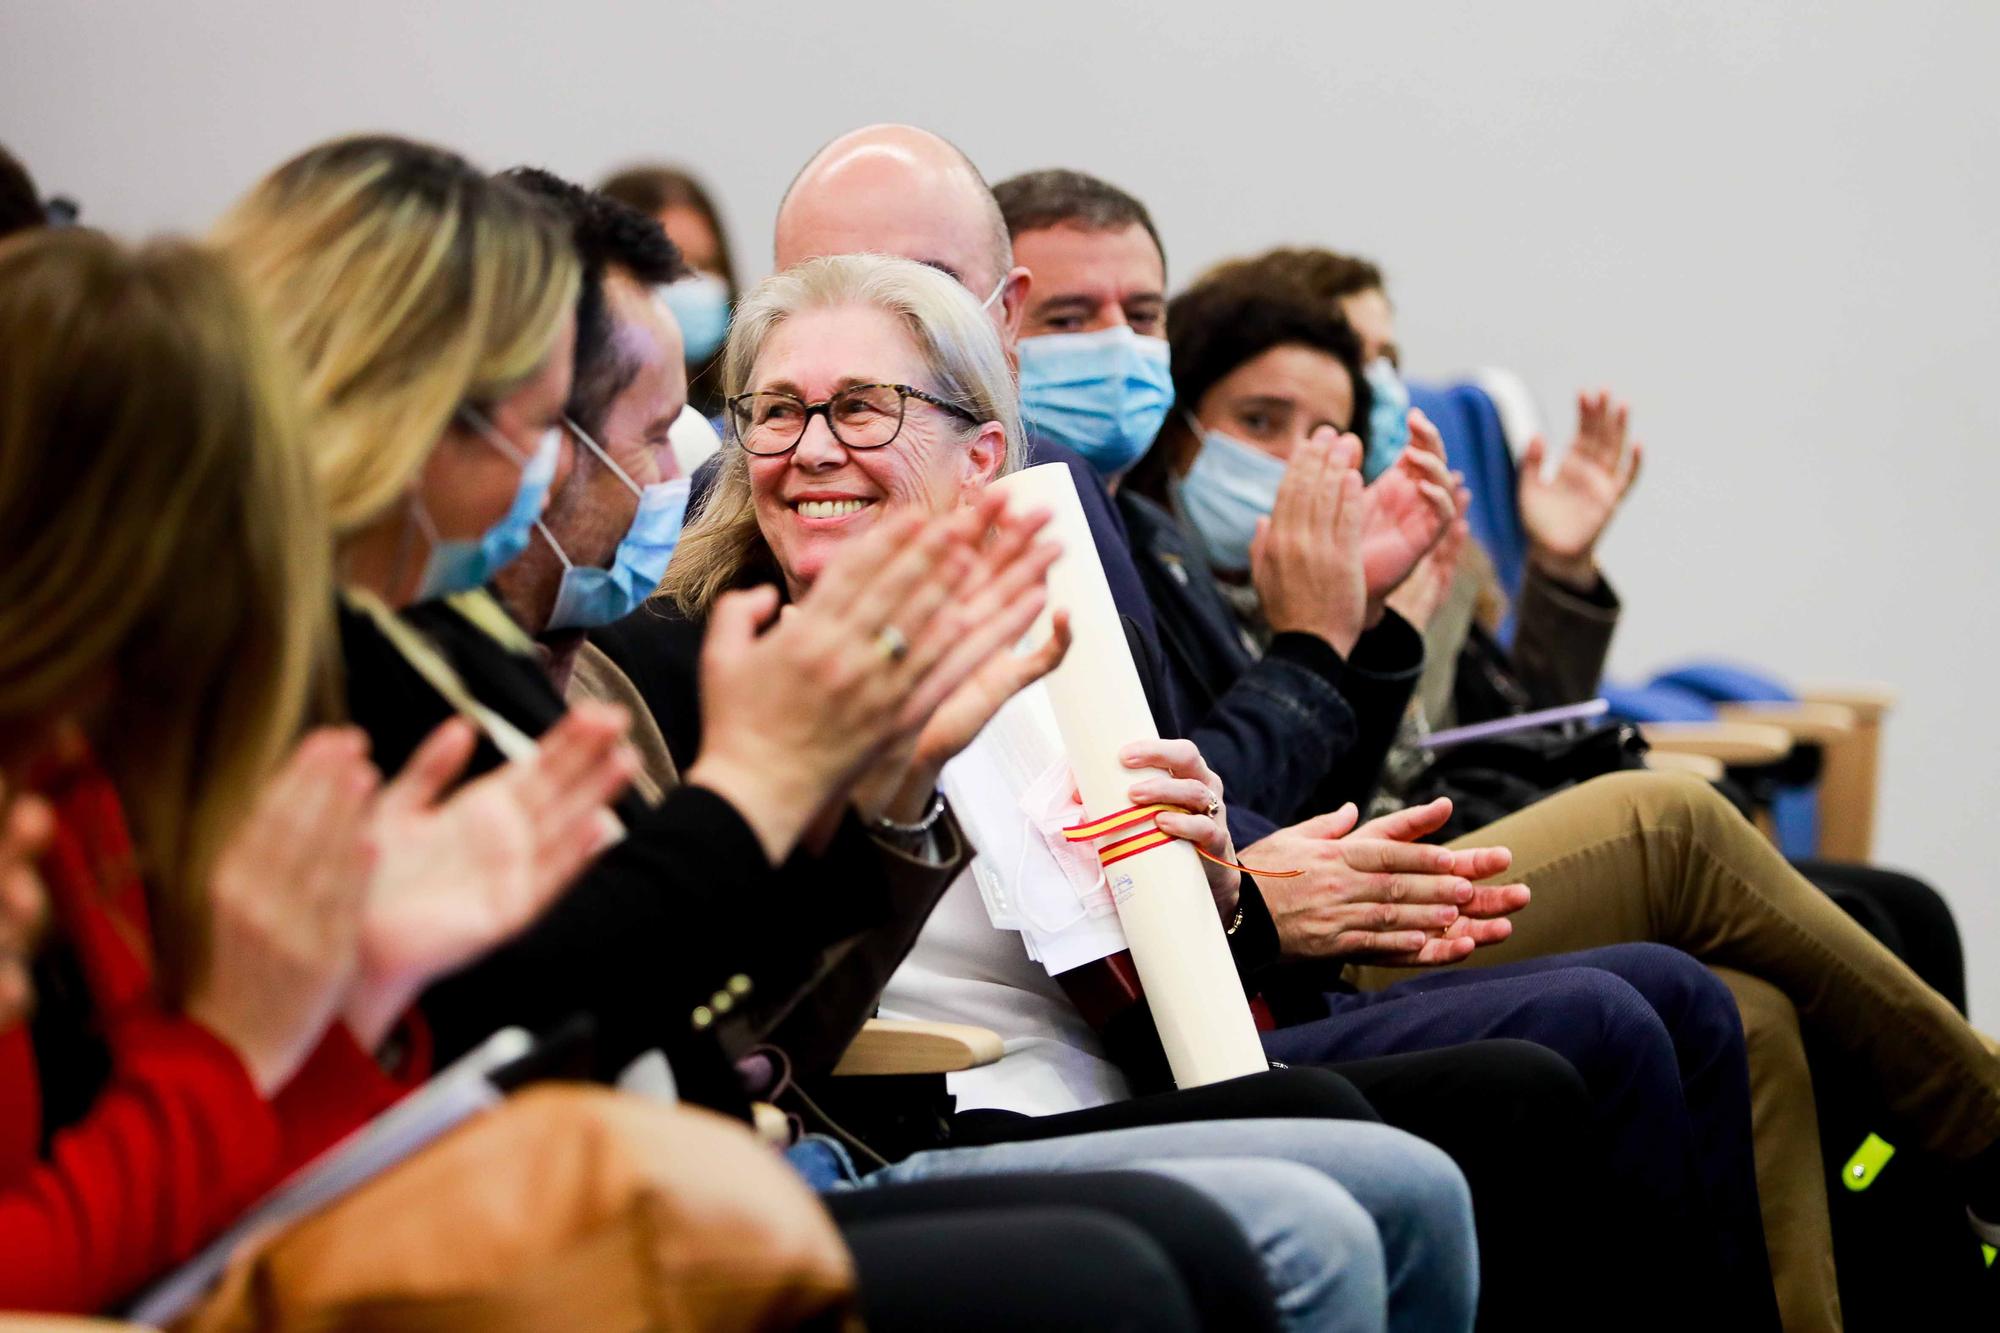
(682,911)
(1293,731)
(660,651)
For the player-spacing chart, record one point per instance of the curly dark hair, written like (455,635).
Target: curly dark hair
(1324,275)
(1221,323)
(607,234)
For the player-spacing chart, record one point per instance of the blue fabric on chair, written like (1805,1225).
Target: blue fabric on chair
(1794,810)
(1476,444)
(1656,703)
(1724,682)
(1690,694)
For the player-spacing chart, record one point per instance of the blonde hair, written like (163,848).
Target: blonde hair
(408,285)
(164,563)
(960,347)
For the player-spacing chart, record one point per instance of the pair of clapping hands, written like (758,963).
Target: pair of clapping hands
(857,694)
(1327,561)
(1370,894)
(1332,552)
(338,897)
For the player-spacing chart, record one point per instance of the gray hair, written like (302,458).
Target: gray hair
(960,348)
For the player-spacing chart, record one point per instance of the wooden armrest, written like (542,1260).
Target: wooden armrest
(898,1046)
(1870,702)
(56,1323)
(1737,744)
(1706,767)
(1808,723)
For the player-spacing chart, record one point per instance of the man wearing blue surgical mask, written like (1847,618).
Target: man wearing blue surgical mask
(614,514)
(1093,350)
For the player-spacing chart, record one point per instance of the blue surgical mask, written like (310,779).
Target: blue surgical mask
(588,596)
(700,305)
(1388,420)
(462,564)
(1230,487)
(1104,394)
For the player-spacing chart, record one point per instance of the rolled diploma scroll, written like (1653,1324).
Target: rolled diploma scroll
(1163,899)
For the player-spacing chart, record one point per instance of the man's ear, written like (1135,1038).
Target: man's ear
(982,458)
(1014,305)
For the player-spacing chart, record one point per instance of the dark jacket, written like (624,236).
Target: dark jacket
(1293,731)
(660,650)
(685,909)
(1562,637)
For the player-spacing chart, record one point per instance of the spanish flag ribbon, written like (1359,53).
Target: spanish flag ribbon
(1147,838)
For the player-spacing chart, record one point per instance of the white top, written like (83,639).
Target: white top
(964,970)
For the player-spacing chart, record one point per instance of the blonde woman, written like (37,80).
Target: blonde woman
(165,638)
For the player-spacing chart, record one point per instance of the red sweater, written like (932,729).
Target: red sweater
(179,1141)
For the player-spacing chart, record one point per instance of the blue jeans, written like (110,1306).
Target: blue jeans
(1360,1227)
(1654,1034)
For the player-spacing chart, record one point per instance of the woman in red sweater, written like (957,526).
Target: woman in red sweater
(218,989)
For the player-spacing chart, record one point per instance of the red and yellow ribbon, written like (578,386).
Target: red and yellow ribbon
(1147,838)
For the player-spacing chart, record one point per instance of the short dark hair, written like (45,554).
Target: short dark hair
(1219,324)
(1058,197)
(1323,275)
(606,234)
(20,203)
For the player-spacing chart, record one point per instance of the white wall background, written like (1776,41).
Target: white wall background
(1773,229)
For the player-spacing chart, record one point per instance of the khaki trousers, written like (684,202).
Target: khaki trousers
(1663,857)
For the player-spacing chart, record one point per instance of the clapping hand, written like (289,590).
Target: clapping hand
(1006,590)
(1411,506)
(1429,585)
(284,909)
(1374,894)
(837,696)
(1305,558)
(458,875)
(1567,513)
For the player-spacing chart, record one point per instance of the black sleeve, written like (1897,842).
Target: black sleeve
(1381,675)
(682,933)
(1280,727)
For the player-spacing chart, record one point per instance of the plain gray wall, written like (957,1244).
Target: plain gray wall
(1773,230)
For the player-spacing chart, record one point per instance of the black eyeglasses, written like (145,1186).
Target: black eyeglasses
(861,416)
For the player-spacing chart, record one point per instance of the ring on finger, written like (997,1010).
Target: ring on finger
(1214,805)
(891,644)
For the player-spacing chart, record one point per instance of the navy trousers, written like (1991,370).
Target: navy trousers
(1658,1041)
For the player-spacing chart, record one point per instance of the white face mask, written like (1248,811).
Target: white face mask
(994,295)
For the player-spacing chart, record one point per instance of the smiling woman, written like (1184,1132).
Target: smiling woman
(857,385)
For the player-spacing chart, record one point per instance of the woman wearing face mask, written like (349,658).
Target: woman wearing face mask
(215,979)
(702,300)
(1736,905)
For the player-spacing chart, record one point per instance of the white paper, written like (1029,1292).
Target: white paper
(1050,892)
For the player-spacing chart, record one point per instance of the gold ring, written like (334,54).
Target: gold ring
(891,644)
(1214,805)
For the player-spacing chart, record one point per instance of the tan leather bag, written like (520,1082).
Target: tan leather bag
(569,1208)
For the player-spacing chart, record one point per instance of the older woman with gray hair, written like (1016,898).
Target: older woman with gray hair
(862,388)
